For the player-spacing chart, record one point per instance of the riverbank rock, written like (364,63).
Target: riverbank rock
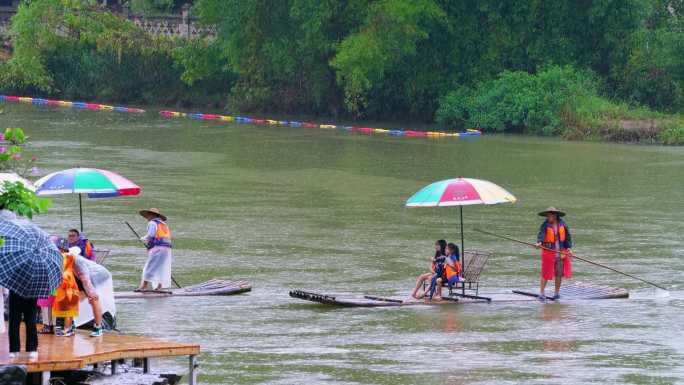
(618,130)
(632,131)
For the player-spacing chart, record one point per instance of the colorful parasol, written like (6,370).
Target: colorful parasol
(94,182)
(460,192)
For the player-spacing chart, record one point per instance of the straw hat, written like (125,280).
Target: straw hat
(551,210)
(153,211)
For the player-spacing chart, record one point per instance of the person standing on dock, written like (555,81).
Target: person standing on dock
(556,243)
(157,270)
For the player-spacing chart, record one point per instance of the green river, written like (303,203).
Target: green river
(323,210)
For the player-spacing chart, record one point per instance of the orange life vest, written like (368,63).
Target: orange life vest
(163,235)
(452,271)
(551,237)
(88,252)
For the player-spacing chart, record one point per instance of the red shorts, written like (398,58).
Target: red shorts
(548,270)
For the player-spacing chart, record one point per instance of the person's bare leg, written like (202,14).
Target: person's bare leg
(144,285)
(558,284)
(542,288)
(47,317)
(97,312)
(438,296)
(67,323)
(419,284)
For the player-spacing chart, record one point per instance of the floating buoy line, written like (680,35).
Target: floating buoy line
(294,123)
(240,119)
(69,104)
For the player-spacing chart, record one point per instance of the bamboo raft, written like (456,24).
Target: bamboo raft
(570,292)
(211,287)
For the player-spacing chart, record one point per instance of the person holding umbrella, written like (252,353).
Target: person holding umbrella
(555,240)
(30,265)
(158,241)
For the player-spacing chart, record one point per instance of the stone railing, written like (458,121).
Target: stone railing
(177,25)
(172,26)
(182,25)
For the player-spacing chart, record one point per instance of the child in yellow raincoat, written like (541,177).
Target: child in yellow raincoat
(66,300)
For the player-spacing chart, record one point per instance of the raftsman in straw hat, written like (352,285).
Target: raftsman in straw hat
(153,211)
(551,210)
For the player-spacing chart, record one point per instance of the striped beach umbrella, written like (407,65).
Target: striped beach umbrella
(460,192)
(93,182)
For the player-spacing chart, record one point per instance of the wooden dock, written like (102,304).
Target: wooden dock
(77,352)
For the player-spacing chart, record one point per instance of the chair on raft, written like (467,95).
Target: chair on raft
(101,255)
(475,262)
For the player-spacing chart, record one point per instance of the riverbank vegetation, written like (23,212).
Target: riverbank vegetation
(581,69)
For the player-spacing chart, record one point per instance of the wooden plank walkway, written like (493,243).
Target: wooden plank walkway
(73,353)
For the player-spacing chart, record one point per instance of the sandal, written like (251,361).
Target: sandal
(47,329)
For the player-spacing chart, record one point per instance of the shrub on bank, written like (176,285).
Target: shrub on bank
(519,101)
(673,132)
(556,101)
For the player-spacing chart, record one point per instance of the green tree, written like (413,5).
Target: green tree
(390,34)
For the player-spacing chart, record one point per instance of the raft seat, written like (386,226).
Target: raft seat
(475,262)
(102,255)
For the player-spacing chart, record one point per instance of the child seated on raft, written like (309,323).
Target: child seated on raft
(452,269)
(440,252)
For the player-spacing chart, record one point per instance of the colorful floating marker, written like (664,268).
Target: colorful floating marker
(239,119)
(69,104)
(292,123)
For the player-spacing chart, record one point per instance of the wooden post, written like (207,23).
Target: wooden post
(114,366)
(45,378)
(192,375)
(146,365)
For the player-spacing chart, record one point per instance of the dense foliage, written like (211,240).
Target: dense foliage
(519,100)
(12,158)
(14,196)
(527,65)
(76,50)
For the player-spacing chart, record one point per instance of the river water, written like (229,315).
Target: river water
(323,210)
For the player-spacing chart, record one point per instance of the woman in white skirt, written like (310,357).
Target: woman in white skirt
(157,270)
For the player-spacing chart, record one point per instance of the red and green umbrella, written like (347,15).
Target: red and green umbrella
(460,192)
(94,182)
